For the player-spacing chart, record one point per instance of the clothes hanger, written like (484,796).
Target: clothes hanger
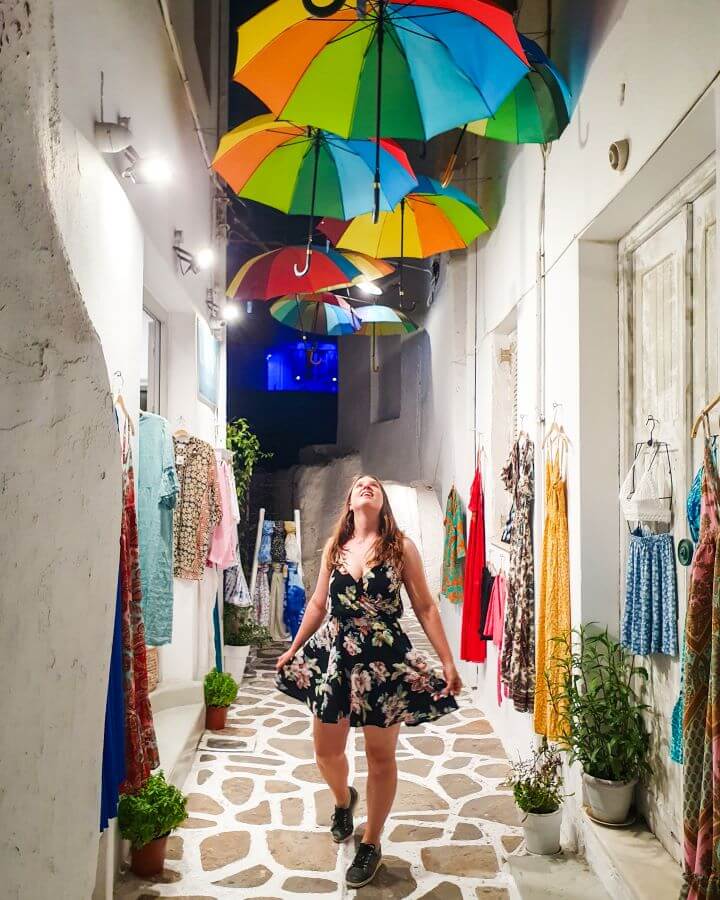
(120,402)
(703,412)
(556,431)
(181,431)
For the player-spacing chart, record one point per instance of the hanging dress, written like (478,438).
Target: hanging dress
(198,509)
(494,628)
(454,549)
(113,760)
(294,599)
(265,539)
(518,653)
(360,664)
(554,611)
(651,606)
(261,597)
(472,646)
(701,716)
(277,602)
(141,753)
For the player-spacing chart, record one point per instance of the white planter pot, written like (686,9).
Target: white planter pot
(609,801)
(542,832)
(234,659)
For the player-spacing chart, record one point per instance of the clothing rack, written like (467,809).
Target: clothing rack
(258,539)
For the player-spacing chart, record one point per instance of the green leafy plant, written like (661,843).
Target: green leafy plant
(241,632)
(537,782)
(599,705)
(220,688)
(247,452)
(152,812)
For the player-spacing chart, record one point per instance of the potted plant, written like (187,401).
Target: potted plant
(240,635)
(220,691)
(146,820)
(537,787)
(602,717)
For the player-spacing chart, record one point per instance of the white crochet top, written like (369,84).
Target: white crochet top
(645,495)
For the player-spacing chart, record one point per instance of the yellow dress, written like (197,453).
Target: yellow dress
(554,611)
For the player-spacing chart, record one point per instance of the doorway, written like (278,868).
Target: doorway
(669,368)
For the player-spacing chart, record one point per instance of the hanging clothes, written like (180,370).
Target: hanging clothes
(198,509)
(554,613)
(651,606)
(141,753)
(158,488)
(292,548)
(701,718)
(495,624)
(277,543)
(454,550)
(488,580)
(694,498)
(294,599)
(113,760)
(224,538)
(261,597)
(277,603)
(265,540)
(472,647)
(236,590)
(518,653)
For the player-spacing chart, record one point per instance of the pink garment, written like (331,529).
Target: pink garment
(224,539)
(495,624)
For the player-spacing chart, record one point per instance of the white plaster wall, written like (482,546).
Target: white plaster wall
(60,494)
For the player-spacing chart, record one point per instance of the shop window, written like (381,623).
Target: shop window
(150,364)
(302,366)
(386,382)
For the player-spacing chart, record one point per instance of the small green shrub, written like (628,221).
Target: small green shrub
(537,782)
(220,688)
(153,812)
(599,705)
(241,632)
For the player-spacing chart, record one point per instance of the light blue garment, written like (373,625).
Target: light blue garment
(651,604)
(157,490)
(265,541)
(695,498)
(294,599)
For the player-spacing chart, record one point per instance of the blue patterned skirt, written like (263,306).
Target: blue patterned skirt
(650,617)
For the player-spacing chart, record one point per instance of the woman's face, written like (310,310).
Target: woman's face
(366,494)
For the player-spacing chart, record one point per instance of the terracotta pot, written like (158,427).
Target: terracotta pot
(215,717)
(150,859)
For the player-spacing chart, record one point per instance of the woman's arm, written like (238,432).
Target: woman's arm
(315,611)
(427,612)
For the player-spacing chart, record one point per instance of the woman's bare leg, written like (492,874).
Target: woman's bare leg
(380,747)
(330,740)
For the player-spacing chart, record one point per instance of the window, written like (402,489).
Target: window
(150,364)
(302,366)
(386,383)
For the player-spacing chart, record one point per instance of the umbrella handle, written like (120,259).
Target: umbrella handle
(311,357)
(452,162)
(299,273)
(373,356)
(323,9)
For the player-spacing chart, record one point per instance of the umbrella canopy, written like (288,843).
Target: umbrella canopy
(381,321)
(316,314)
(431,219)
(408,69)
(273,275)
(307,171)
(537,111)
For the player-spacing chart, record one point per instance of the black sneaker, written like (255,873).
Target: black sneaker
(364,866)
(341,826)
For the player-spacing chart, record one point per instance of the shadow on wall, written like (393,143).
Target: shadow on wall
(60,523)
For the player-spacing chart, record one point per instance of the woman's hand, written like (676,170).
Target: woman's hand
(284,659)
(454,682)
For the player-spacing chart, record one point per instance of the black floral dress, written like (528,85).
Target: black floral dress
(361,664)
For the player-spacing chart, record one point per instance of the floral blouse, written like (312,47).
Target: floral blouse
(198,510)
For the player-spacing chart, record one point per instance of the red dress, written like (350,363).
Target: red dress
(472,645)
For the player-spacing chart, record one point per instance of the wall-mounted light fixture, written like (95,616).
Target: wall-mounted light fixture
(191,262)
(369,287)
(150,170)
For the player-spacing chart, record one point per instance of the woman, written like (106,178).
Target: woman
(360,669)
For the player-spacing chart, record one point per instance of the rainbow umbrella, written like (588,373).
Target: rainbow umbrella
(272,274)
(322,313)
(409,69)
(537,110)
(431,219)
(307,171)
(381,321)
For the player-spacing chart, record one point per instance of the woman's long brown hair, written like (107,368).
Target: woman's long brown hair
(388,547)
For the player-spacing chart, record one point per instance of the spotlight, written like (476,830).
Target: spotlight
(368,287)
(334,378)
(297,378)
(153,170)
(268,357)
(205,258)
(230,312)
